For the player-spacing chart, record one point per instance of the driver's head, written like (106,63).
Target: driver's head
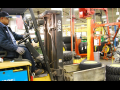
(4,17)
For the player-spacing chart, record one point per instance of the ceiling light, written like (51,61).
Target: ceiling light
(117,13)
(82,25)
(59,9)
(14,17)
(56,9)
(76,9)
(27,15)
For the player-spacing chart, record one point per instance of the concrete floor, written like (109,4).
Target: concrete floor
(107,62)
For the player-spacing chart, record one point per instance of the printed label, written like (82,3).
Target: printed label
(59,25)
(60,60)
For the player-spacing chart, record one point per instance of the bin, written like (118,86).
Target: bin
(97,56)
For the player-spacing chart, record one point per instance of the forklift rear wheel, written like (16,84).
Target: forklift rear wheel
(110,77)
(89,64)
(113,69)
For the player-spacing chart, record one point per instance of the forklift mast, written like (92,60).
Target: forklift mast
(53,52)
(53,41)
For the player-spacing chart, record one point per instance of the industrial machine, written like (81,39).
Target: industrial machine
(86,13)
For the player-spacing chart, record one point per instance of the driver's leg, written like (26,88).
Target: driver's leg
(27,55)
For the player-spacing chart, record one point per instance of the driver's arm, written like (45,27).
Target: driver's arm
(17,37)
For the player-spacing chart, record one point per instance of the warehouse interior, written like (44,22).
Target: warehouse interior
(86,46)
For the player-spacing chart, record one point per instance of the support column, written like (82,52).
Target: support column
(72,26)
(90,43)
(88,38)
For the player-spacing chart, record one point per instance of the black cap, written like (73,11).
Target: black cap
(4,14)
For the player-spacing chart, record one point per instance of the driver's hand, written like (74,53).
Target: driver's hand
(27,34)
(20,50)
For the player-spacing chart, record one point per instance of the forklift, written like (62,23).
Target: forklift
(52,60)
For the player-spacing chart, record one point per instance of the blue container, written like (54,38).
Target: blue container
(9,75)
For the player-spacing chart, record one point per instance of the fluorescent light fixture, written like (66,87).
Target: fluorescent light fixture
(56,9)
(59,9)
(76,9)
(117,13)
(14,17)
(82,25)
(103,16)
(27,15)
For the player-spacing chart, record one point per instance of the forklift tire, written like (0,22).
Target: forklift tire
(81,47)
(68,46)
(67,39)
(85,47)
(67,55)
(89,64)
(113,69)
(110,77)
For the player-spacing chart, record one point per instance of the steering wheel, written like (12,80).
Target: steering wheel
(23,40)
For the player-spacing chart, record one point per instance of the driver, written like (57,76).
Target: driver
(8,42)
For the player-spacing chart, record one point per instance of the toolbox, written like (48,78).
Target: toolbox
(11,75)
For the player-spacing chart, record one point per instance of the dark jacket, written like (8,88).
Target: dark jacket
(6,41)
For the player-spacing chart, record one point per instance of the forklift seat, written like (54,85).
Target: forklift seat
(3,55)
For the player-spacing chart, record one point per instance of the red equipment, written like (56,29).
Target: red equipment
(87,12)
(116,32)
